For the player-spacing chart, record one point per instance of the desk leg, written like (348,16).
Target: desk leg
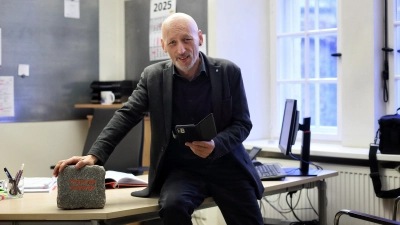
(322,202)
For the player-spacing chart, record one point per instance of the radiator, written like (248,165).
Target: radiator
(351,189)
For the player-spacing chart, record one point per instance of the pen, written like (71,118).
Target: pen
(8,174)
(19,174)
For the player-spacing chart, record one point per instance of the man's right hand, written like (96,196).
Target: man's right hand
(79,161)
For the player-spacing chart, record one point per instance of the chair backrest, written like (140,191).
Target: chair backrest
(128,153)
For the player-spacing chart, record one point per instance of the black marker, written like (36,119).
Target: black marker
(8,174)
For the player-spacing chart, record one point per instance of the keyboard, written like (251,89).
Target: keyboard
(269,171)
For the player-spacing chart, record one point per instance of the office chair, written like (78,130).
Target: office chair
(127,156)
(369,217)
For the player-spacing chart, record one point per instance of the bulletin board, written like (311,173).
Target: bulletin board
(62,54)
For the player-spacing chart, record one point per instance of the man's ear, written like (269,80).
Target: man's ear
(163,45)
(200,38)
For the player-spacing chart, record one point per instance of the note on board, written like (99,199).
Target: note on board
(6,96)
(23,69)
(71,9)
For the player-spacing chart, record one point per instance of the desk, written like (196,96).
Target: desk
(122,208)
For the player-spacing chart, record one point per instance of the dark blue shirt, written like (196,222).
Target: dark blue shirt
(191,103)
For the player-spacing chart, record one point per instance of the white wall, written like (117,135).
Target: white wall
(360,78)
(112,40)
(238,31)
(39,145)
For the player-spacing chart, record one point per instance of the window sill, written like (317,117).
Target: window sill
(331,150)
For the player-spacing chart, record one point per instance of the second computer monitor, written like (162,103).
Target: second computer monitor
(290,126)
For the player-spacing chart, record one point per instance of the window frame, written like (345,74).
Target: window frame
(275,80)
(393,42)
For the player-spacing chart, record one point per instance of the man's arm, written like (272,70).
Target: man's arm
(121,123)
(239,125)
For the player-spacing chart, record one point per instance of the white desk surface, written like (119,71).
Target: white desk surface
(119,203)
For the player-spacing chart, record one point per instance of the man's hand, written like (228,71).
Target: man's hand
(79,161)
(201,148)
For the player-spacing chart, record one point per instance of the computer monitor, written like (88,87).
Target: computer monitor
(289,129)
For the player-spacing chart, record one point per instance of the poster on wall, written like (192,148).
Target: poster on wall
(6,96)
(159,11)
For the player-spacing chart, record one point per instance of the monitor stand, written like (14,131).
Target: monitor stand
(304,169)
(296,172)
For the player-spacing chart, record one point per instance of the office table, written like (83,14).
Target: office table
(122,208)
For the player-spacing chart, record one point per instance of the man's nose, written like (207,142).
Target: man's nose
(181,48)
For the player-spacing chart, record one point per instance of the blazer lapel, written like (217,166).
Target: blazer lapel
(216,95)
(167,98)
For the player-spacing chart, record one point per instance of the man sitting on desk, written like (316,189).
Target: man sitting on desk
(183,90)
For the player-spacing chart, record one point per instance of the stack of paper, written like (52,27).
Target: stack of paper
(39,184)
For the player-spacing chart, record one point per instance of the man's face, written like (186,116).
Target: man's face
(182,41)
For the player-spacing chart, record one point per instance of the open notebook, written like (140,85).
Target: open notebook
(115,179)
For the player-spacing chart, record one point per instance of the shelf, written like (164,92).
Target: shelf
(98,106)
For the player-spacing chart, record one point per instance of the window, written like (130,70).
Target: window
(396,53)
(306,36)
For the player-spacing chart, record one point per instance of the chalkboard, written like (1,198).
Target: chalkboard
(137,23)
(63,54)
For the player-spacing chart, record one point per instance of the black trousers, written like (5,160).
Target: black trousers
(186,188)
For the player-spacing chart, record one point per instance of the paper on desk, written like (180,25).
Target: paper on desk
(39,184)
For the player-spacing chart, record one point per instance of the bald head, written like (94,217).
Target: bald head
(178,21)
(181,39)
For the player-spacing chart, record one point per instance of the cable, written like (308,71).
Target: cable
(309,201)
(291,205)
(280,212)
(310,163)
(386,49)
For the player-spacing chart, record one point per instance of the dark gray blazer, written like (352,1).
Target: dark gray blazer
(153,94)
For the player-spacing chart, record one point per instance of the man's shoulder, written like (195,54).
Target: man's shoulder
(220,62)
(159,66)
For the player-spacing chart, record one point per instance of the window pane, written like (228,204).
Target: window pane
(312,15)
(290,58)
(304,60)
(397,59)
(397,53)
(321,48)
(290,16)
(397,92)
(290,91)
(327,14)
(323,104)
(397,7)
